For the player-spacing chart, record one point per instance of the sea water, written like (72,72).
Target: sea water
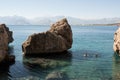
(92,55)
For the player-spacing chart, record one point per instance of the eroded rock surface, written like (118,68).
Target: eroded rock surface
(57,39)
(5,39)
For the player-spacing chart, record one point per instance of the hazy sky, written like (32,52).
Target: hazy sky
(85,9)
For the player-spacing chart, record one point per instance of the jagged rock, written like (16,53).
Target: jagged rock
(57,39)
(5,39)
(116,45)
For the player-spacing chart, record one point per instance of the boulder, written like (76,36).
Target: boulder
(5,39)
(116,45)
(57,39)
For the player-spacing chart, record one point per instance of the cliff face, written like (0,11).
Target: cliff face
(57,39)
(5,39)
(116,45)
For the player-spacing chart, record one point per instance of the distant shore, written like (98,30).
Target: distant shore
(112,24)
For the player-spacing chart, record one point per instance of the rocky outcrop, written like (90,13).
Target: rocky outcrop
(116,45)
(57,39)
(5,39)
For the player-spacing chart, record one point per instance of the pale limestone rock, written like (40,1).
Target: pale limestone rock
(116,45)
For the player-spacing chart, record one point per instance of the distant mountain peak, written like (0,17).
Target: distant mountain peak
(20,20)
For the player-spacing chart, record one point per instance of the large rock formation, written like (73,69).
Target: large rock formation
(57,39)
(116,45)
(5,39)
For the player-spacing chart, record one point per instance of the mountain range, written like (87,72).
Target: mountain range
(19,20)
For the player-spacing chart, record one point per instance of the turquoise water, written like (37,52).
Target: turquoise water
(95,41)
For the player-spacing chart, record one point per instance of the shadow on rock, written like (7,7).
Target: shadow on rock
(46,61)
(5,70)
(5,65)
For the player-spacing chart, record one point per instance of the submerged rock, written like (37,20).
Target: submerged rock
(57,76)
(5,39)
(48,61)
(28,78)
(57,39)
(45,63)
(116,45)
(115,67)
